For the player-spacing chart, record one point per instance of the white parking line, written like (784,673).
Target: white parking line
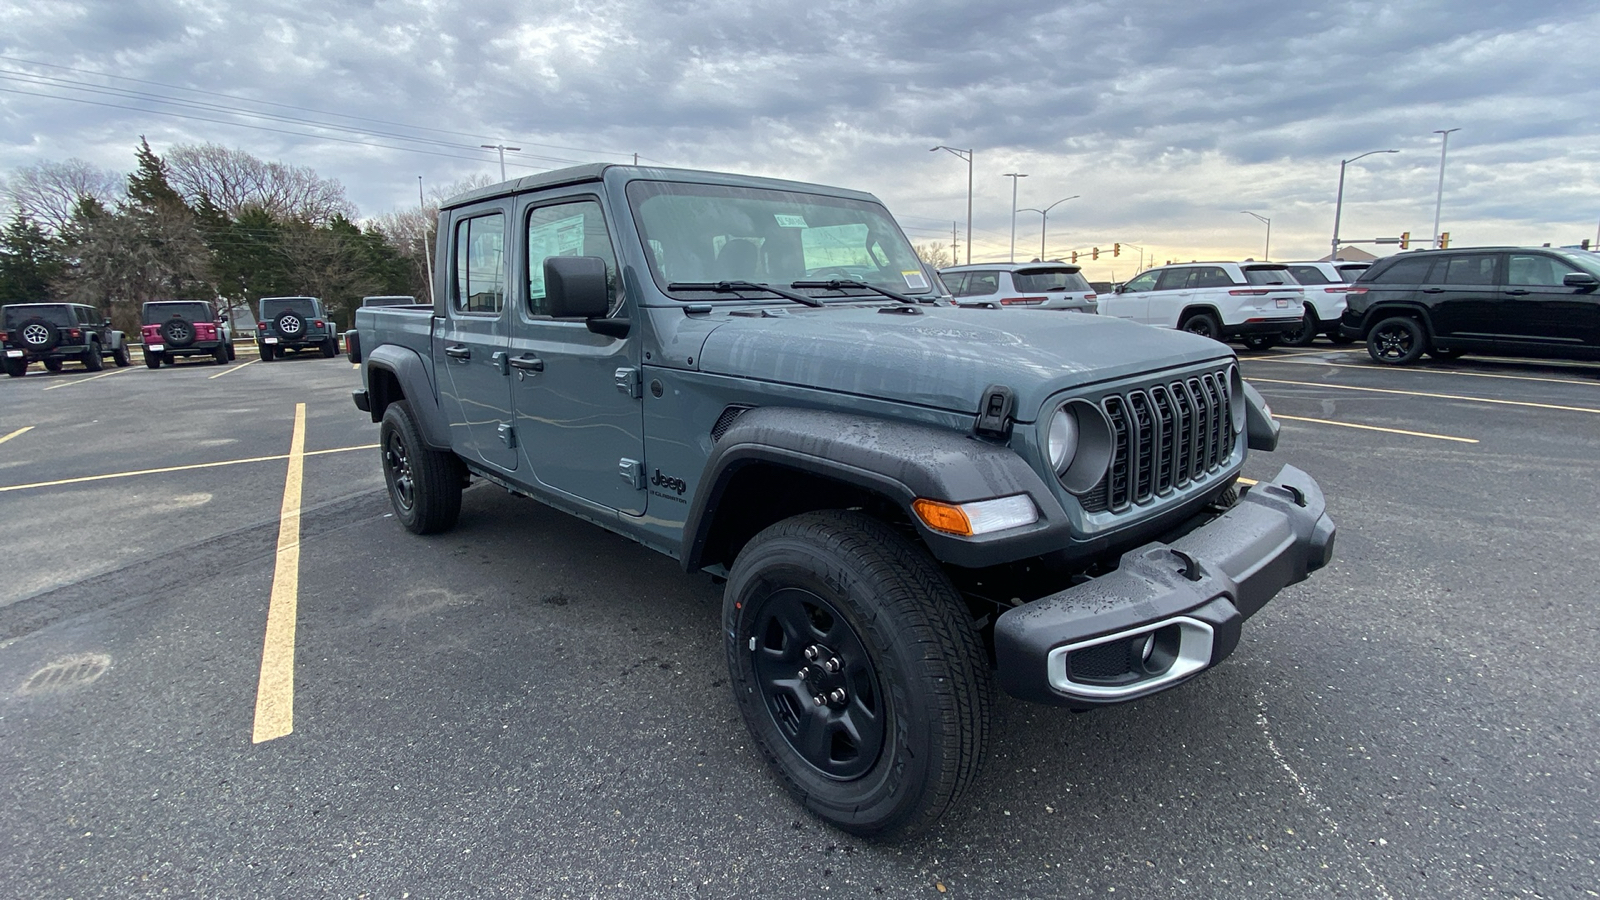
(1374,368)
(234,369)
(1423,434)
(165,469)
(1373,390)
(18,433)
(90,378)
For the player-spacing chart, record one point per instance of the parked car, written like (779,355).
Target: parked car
(174,328)
(1015,285)
(390,300)
(294,323)
(1254,303)
(1516,301)
(52,333)
(1103,287)
(1325,285)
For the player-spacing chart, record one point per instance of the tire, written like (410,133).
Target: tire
(1260,341)
(424,485)
(329,351)
(901,732)
(52,365)
(1303,335)
(1396,341)
(177,332)
(1203,324)
(16,368)
(220,354)
(152,359)
(290,326)
(38,334)
(1445,353)
(232,353)
(121,356)
(266,352)
(92,360)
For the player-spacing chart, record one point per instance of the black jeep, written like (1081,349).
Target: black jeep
(53,333)
(294,323)
(173,328)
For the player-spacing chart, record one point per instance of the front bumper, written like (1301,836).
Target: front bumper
(1169,611)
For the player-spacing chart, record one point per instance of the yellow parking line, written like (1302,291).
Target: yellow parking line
(18,433)
(1438,437)
(1371,368)
(1351,387)
(188,468)
(275,690)
(82,380)
(234,369)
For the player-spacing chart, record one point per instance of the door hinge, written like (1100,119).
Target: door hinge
(501,360)
(508,435)
(630,382)
(632,472)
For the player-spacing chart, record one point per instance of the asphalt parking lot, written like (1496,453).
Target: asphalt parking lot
(529,706)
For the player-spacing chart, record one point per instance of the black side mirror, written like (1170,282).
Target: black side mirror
(1580,279)
(106,324)
(575,287)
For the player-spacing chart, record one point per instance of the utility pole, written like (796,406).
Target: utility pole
(1266,255)
(1014,176)
(1438,202)
(955,246)
(966,155)
(503,148)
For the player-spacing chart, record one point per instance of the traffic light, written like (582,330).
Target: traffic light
(1074,256)
(1444,239)
(1405,240)
(1116,249)
(1096,252)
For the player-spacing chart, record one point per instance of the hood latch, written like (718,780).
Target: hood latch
(994,412)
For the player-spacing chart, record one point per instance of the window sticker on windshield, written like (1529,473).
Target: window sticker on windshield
(915,280)
(789,221)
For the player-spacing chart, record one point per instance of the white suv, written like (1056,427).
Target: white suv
(1020,285)
(1252,302)
(1325,284)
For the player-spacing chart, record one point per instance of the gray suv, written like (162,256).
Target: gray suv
(53,333)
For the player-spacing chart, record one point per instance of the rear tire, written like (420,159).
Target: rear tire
(219,353)
(232,353)
(1396,341)
(52,365)
(900,733)
(1306,333)
(424,485)
(121,356)
(329,351)
(1203,324)
(92,360)
(266,352)
(152,359)
(16,368)
(1260,341)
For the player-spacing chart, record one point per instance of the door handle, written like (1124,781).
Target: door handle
(528,363)
(1433,290)
(1518,293)
(459,351)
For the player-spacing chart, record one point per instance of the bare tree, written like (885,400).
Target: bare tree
(49,192)
(233,180)
(412,229)
(934,254)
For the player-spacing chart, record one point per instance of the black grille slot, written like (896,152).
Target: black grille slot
(726,420)
(1111,661)
(1164,438)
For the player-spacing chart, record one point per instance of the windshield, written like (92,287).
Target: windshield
(1038,281)
(1585,260)
(156,313)
(702,233)
(1268,275)
(55,315)
(272,308)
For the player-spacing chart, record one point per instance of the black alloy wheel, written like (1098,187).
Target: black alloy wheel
(38,334)
(1203,324)
(93,360)
(424,485)
(177,332)
(1303,334)
(1396,341)
(858,671)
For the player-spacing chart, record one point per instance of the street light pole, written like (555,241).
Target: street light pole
(966,155)
(503,148)
(1338,203)
(1044,218)
(1438,202)
(1267,253)
(1013,176)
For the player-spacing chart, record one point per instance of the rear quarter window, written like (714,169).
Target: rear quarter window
(1266,277)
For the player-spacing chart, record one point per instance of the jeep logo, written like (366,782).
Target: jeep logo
(669,483)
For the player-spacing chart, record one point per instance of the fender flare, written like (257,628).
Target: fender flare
(899,461)
(1377,313)
(415,378)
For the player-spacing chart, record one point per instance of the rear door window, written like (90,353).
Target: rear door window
(1474,269)
(1308,275)
(1174,279)
(480,259)
(1406,271)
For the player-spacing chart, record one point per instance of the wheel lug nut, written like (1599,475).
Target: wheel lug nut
(837,696)
(833,665)
(819,700)
(812,653)
(805,673)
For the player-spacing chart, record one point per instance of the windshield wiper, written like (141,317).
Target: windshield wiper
(733,287)
(839,284)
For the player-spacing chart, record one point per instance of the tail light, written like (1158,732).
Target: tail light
(261,325)
(1091,296)
(1337,290)
(1355,290)
(1021,301)
(1258,292)
(74,333)
(319,323)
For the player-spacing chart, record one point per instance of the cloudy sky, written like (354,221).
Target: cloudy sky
(1167,119)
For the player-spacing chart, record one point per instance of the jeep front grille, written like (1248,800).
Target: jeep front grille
(1164,438)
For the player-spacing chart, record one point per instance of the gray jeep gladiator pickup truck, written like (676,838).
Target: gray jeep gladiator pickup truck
(908,501)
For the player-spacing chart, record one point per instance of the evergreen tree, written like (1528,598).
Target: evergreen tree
(29,262)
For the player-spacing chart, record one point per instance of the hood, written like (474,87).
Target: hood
(944,358)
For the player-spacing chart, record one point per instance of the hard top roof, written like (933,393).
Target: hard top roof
(598,171)
(1014,267)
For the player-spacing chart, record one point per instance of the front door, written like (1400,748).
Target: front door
(1132,300)
(579,416)
(471,344)
(1542,315)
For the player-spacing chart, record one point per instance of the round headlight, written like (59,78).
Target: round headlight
(1063,439)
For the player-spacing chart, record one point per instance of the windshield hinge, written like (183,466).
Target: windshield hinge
(994,412)
(629,381)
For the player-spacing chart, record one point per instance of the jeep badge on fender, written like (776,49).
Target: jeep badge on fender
(823,404)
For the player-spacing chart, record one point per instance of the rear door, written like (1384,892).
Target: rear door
(1541,315)
(579,416)
(471,347)
(1464,296)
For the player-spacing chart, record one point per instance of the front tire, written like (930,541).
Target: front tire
(839,606)
(1396,341)
(424,485)
(1203,324)
(92,360)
